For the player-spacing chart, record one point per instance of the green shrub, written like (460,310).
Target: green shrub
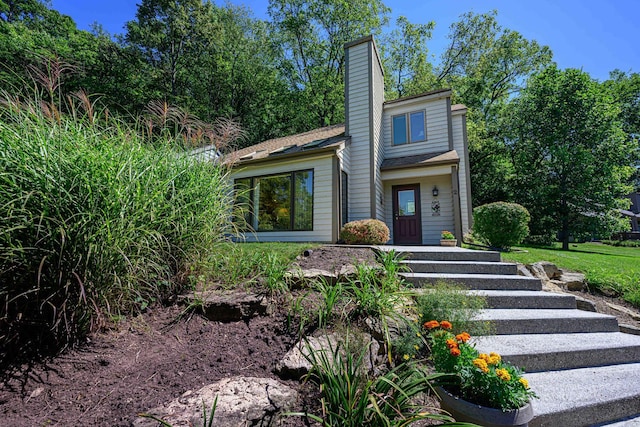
(539,239)
(501,224)
(365,232)
(623,243)
(94,223)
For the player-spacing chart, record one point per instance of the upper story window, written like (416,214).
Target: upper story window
(408,128)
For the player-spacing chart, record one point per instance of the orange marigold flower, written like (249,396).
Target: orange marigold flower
(483,356)
(481,364)
(455,351)
(524,382)
(451,343)
(494,358)
(446,324)
(431,324)
(463,337)
(503,374)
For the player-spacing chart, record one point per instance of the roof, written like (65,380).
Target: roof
(317,139)
(458,108)
(421,160)
(443,92)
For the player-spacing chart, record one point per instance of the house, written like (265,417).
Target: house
(634,218)
(404,162)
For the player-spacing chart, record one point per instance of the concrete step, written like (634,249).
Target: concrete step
(441,253)
(469,267)
(550,352)
(525,299)
(546,321)
(586,396)
(476,281)
(632,421)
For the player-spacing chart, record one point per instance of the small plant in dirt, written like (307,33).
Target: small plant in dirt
(448,301)
(500,224)
(207,416)
(352,398)
(391,262)
(442,301)
(365,232)
(480,378)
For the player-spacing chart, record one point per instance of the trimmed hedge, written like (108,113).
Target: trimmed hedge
(501,224)
(365,232)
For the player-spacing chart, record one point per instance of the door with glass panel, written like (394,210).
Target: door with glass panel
(407,229)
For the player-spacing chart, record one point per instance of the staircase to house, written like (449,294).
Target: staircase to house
(584,370)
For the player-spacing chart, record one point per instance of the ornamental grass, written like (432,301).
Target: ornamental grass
(483,379)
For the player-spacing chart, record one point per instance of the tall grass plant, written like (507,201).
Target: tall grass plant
(94,222)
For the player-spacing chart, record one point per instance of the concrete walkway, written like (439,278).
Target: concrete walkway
(584,370)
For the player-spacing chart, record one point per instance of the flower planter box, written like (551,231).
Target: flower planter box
(465,411)
(448,242)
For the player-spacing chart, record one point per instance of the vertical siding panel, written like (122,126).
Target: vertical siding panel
(359,152)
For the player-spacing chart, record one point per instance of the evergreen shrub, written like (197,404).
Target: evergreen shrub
(501,224)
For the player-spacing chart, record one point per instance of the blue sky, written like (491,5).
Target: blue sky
(595,36)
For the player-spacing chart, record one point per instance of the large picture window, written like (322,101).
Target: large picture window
(409,127)
(282,202)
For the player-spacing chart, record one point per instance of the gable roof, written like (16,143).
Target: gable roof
(314,140)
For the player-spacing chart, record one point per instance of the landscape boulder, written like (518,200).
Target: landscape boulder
(229,306)
(242,401)
(296,362)
(570,281)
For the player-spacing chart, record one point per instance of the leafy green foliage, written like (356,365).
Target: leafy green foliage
(94,222)
(571,158)
(365,232)
(483,379)
(351,398)
(501,225)
(448,301)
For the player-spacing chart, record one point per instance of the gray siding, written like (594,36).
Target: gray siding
(460,146)
(437,128)
(359,129)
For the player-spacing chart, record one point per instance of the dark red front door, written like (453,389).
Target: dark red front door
(407,229)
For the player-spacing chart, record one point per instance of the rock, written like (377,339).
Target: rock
(300,277)
(585,305)
(629,329)
(242,401)
(550,269)
(229,306)
(572,281)
(295,363)
(523,271)
(537,271)
(544,270)
(631,313)
(552,286)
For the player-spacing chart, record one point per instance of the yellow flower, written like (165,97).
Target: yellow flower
(503,374)
(524,382)
(417,347)
(483,356)
(493,359)
(406,357)
(481,364)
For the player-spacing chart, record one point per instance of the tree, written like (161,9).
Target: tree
(312,34)
(404,51)
(570,155)
(625,90)
(486,65)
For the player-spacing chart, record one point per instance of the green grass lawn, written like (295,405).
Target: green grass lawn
(608,268)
